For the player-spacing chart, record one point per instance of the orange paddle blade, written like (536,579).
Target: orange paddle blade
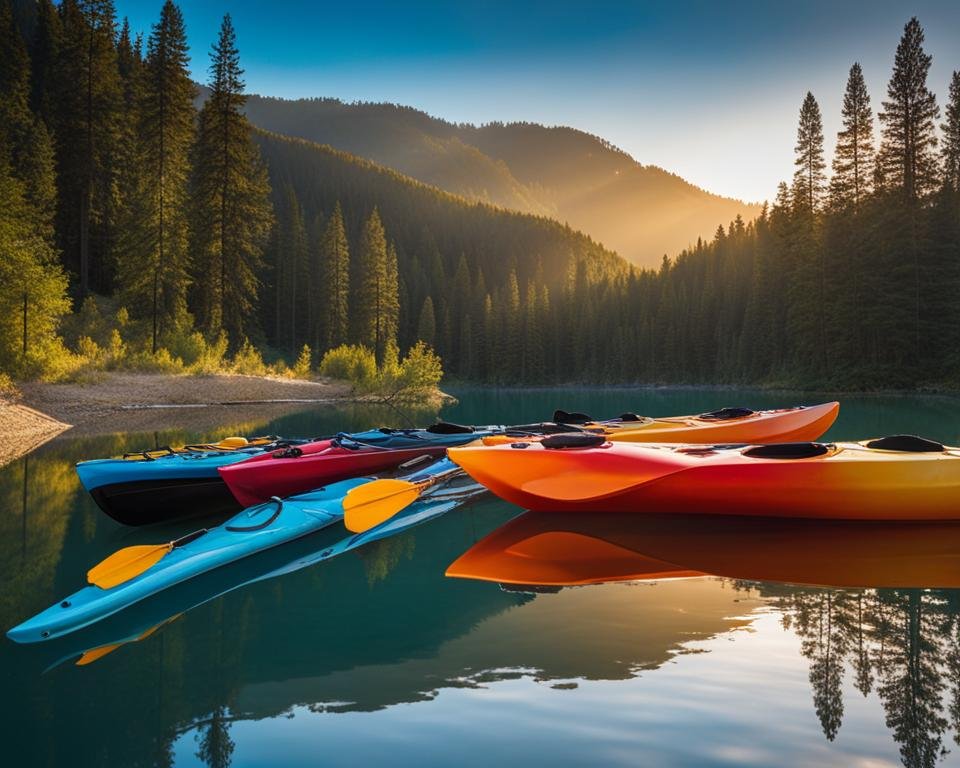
(366,506)
(125,564)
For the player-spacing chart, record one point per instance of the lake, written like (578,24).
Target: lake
(376,657)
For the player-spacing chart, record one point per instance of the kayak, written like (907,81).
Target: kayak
(298,469)
(165,483)
(254,530)
(566,549)
(727,425)
(145,617)
(894,478)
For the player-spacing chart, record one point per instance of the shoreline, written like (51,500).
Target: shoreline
(24,429)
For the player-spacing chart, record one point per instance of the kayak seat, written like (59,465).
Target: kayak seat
(446,428)
(726,413)
(907,444)
(562,417)
(543,428)
(787,451)
(573,440)
(291,452)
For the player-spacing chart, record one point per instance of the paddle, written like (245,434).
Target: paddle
(129,562)
(367,506)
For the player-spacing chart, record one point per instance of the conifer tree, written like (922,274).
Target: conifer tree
(38,172)
(375,292)
(950,151)
(86,126)
(15,117)
(335,282)
(909,119)
(230,211)
(154,271)
(427,324)
(32,286)
(853,158)
(44,55)
(809,180)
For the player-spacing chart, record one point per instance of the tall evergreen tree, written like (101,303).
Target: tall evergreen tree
(15,117)
(853,158)
(44,56)
(154,273)
(335,282)
(374,298)
(86,125)
(909,119)
(427,324)
(230,207)
(809,178)
(950,151)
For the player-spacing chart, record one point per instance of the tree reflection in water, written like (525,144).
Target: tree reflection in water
(902,643)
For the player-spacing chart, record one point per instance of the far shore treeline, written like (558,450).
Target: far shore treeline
(144,224)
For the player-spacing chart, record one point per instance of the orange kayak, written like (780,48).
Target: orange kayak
(728,425)
(894,478)
(570,549)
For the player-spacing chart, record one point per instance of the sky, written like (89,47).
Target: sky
(708,90)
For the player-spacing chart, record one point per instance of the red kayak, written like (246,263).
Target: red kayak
(305,467)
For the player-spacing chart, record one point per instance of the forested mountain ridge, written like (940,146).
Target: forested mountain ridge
(642,212)
(459,264)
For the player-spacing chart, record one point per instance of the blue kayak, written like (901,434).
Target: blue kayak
(147,616)
(163,484)
(253,530)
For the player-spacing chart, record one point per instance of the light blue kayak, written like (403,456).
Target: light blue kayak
(253,530)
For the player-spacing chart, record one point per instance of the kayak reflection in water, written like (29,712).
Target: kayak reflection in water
(891,616)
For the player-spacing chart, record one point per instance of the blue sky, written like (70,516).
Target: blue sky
(710,91)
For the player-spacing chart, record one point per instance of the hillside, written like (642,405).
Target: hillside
(640,211)
(476,263)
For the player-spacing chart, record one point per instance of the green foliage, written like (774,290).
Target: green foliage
(304,365)
(230,211)
(153,259)
(248,361)
(351,362)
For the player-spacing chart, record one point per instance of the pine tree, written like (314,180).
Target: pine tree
(44,55)
(32,286)
(15,117)
(950,151)
(809,180)
(853,159)
(38,172)
(375,292)
(86,126)
(154,273)
(427,325)
(335,281)
(909,119)
(230,211)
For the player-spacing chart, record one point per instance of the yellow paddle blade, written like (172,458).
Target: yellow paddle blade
(369,505)
(96,653)
(123,565)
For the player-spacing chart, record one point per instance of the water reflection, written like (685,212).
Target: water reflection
(904,643)
(350,639)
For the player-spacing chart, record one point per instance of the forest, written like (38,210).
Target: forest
(145,227)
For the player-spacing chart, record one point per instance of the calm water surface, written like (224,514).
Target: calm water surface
(376,657)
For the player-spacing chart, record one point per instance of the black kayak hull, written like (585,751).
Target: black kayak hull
(147,502)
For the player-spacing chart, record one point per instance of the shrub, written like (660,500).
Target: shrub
(161,362)
(301,369)
(248,361)
(204,357)
(353,363)
(116,350)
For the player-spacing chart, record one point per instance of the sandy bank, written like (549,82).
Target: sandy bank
(22,429)
(142,401)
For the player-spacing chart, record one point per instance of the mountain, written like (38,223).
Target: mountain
(497,279)
(641,211)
